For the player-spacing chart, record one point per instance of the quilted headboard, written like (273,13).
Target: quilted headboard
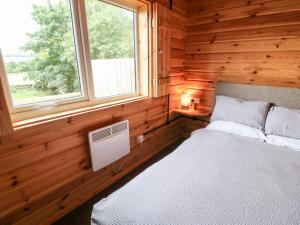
(281,96)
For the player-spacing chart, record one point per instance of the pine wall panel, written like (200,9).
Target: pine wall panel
(242,41)
(178,38)
(45,168)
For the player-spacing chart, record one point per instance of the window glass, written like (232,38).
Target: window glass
(37,43)
(111,31)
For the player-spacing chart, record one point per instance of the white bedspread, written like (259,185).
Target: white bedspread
(212,178)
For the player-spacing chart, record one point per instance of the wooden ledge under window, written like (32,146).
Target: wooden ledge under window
(74,112)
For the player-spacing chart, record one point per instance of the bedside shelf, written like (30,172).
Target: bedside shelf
(191,112)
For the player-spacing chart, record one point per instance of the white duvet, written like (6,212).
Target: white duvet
(212,178)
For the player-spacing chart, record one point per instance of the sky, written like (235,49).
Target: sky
(15,22)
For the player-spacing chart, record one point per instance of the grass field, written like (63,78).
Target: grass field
(27,93)
(23,92)
(111,77)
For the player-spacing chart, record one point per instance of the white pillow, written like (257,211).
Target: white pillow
(236,129)
(283,141)
(283,122)
(250,113)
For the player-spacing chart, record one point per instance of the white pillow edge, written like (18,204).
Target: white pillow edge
(282,141)
(235,129)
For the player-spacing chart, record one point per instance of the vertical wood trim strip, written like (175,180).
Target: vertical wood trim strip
(162,49)
(6,127)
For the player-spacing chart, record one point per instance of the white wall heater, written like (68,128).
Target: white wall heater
(109,144)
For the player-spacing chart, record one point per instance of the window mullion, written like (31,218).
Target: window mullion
(80,47)
(86,50)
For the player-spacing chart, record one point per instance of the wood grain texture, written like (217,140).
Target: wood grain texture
(254,42)
(162,48)
(46,174)
(170,30)
(45,167)
(6,127)
(252,9)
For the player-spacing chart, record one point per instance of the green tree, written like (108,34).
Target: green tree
(54,67)
(13,67)
(110,31)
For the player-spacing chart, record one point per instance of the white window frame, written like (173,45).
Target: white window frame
(88,98)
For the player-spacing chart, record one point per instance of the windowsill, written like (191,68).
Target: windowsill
(56,116)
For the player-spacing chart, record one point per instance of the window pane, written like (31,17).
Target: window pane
(38,48)
(112,48)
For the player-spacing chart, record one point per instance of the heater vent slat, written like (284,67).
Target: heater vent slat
(99,135)
(119,127)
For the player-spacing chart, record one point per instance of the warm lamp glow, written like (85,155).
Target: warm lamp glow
(185,100)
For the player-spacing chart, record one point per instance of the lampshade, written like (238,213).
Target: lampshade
(185,100)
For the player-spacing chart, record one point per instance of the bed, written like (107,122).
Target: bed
(211,180)
(228,175)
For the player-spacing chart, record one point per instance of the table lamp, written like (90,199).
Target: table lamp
(185,101)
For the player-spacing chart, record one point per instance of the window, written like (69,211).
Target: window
(112,32)
(60,53)
(40,52)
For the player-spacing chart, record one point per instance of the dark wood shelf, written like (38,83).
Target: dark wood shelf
(191,112)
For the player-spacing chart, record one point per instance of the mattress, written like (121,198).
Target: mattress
(212,178)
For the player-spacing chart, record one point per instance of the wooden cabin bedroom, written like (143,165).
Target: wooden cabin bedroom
(145,112)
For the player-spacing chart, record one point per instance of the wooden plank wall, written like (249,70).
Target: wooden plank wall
(178,37)
(242,41)
(45,168)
